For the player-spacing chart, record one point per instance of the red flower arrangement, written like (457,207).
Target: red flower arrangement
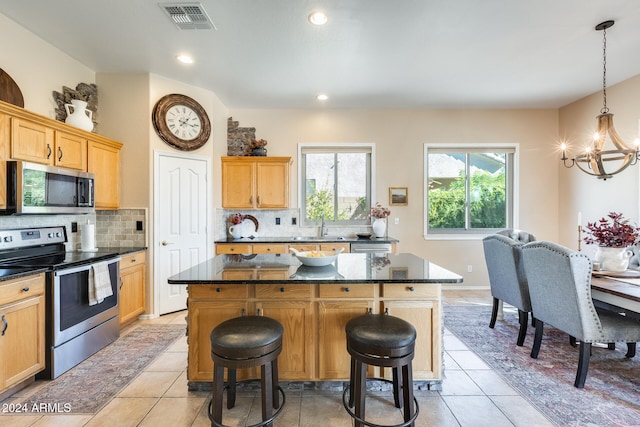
(236,218)
(614,232)
(378,211)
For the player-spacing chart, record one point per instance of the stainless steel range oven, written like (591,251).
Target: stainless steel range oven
(75,329)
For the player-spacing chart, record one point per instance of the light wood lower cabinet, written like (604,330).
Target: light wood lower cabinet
(22,340)
(314,317)
(132,286)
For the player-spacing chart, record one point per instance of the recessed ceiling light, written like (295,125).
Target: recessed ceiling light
(185,59)
(318,18)
(322,97)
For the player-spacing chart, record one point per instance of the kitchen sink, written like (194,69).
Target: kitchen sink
(316,239)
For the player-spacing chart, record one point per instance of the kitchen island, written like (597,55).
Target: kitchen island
(314,304)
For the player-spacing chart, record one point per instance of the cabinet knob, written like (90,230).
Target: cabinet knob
(281,289)
(25,289)
(411,289)
(347,289)
(218,290)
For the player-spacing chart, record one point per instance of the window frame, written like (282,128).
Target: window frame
(512,189)
(322,147)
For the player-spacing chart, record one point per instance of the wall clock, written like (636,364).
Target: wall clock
(181,122)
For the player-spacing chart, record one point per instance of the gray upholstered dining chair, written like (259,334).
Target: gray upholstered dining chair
(518,235)
(507,278)
(560,290)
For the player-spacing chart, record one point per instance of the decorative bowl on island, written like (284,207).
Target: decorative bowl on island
(316,258)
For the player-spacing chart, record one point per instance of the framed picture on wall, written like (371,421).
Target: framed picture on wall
(398,196)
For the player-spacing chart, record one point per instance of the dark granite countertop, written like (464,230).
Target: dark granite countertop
(18,272)
(347,268)
(301,240)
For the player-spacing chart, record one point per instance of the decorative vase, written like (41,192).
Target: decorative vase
(236,231)
(80,117)
(259,151)
(379,226)
(613,259)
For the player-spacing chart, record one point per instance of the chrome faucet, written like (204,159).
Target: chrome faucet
(323,228)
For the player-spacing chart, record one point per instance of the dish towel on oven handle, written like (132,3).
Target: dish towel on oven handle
(99,283)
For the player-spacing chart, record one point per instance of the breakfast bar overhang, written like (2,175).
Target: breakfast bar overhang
(314,304)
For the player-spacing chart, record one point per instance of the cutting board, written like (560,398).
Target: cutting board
(9,90)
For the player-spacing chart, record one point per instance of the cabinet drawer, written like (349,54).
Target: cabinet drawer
(335,247)
(347,291)
(130,260)
(24,287)
(218,291)
(239,274)
(269,249)
(304,248)
(411,290)
(283,291)
(233,249)
(267,274)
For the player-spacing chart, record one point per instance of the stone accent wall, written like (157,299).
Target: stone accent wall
(118,228)
(239,139)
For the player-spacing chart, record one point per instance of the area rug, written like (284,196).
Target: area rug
(611,395)
(89,386)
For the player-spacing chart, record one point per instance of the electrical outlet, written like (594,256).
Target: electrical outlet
(469,268)
(294,221)
(139,225)
(277,221)
(396,220)
(74,227)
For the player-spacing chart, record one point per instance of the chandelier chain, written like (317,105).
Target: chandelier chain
(604,109)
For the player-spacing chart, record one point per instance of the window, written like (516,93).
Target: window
(335,183)
(469,189)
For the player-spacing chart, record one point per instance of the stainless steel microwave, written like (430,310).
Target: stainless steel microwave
(33,188)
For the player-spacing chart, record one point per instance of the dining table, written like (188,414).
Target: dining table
(617,290)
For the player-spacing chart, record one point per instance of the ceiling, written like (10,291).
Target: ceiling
(370,54)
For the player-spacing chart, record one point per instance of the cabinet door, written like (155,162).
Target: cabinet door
(104,161)
(22,344)
(238,185)
(70,151)
(204,315)
(5,147)
(296,360)
(333,359)
(132,293)
(31,141)
(425,317)
(272,185)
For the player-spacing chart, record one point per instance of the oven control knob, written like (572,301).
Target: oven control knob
(50,235)
(58,234)
(8,239)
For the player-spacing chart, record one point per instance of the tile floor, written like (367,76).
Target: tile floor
(472,395)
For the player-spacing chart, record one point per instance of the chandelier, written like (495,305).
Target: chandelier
(595,160)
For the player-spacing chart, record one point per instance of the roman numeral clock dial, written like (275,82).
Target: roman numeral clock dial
(181,122)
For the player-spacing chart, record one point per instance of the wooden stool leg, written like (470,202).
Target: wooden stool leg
(218,390)
(360,391)
(266,391)
(407,380)
(274,384)
(231,390)
(352,379)
(397,385)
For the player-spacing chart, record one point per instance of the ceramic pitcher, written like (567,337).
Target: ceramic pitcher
(613,259)
(78,115)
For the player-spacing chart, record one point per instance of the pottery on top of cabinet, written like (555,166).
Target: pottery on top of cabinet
(79,115)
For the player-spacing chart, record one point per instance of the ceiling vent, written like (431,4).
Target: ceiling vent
(188,16)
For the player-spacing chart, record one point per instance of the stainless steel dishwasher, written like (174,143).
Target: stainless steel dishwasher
(371,247)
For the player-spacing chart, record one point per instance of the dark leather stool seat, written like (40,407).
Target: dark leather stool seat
(384,341)
(246,342)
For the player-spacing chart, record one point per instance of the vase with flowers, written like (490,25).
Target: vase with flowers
(379,215)
(613,235)
(236,221)
(257,147)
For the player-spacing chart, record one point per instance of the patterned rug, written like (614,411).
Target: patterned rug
(611,395)
(89,386)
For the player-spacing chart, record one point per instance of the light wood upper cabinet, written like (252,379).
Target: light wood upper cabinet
(255,182)
(70,151)
(103,160)
(31,141)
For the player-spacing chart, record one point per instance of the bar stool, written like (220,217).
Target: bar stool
(246,342)
(384,341)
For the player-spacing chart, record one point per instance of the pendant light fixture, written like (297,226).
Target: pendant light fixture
(596,160)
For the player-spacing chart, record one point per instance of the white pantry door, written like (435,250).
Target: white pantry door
(182,203)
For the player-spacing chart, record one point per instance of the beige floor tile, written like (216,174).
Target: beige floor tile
(180,345)
(123,412)
(476,411)
(176,361)
(467,359)
(326,409)
(434,413)
(451,342)
(290,415)
(234,417)
(179,388)
(458,383)
(150,384)
(62,421)
(174,411)
(520,411)
(491,383)
(18,420)
(449,363)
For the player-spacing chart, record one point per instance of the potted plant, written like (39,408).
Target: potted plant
(379,216)
(613,235)
(257,147)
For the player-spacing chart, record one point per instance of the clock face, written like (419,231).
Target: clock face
(181,122)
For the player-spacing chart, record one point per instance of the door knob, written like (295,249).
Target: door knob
(165,243)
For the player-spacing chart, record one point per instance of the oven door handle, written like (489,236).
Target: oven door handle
(6,325)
